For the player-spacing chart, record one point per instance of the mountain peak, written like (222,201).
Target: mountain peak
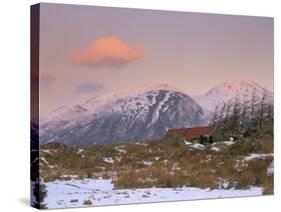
(159,86)
(124,93)
(95,102)
(237,84)
(235,87)
(228,90)
(146,115)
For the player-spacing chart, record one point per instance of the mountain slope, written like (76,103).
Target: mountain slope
(71,112)
(143,116)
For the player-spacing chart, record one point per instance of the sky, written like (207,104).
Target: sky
(87,51)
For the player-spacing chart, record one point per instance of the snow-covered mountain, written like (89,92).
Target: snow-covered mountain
(142,116)
(139,113)
(227,91)
(91,105)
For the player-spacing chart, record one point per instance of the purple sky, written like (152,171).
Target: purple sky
(86,50)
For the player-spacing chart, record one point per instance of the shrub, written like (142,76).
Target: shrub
(87,202)
(175,139)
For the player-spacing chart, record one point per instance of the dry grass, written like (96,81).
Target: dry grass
(167,163)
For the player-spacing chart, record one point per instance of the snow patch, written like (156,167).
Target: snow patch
(45,151)
(108,160)
(44,160)
(147,163)
(80,151)
(73,193)
(228,142)
(187,142)
(216,149)
(270,169)
(198,146)
(120,149)
(70,176)
(254,156)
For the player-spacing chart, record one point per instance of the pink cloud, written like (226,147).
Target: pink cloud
(109,51)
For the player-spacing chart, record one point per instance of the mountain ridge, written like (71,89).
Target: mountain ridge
(141,113)
(144,116)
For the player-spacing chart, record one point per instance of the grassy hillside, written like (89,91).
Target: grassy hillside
(170,162)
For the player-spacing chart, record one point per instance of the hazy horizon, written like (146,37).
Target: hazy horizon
(87,51)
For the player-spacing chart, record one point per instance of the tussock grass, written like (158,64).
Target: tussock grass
(166,163)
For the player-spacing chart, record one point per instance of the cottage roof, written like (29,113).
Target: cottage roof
(191,133)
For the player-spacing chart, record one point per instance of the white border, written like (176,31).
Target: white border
(14,96)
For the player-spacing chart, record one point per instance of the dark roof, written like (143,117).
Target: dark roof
(190,133)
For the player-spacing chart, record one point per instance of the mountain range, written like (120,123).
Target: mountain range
(143,113)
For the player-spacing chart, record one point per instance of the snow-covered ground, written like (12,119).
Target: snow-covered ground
(216,149)
(89,192)
(108,160)
(254,156)
(198,146)
(270,169)
(228,142)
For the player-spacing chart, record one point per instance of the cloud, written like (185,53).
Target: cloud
(109,51)
(88,87)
